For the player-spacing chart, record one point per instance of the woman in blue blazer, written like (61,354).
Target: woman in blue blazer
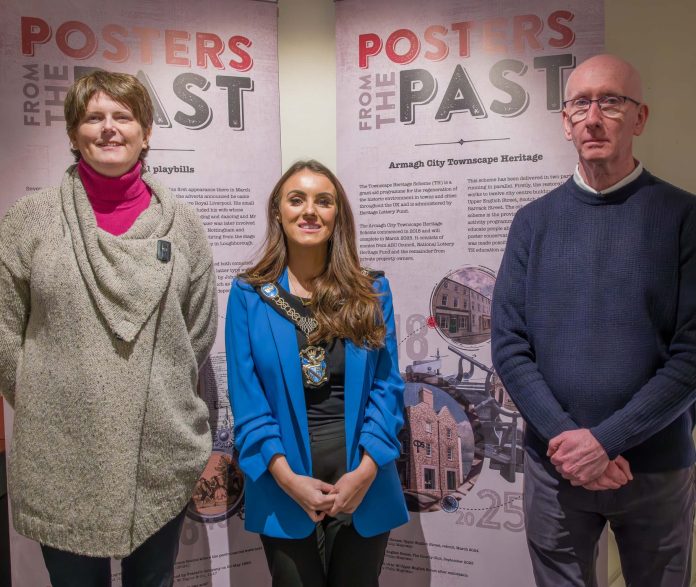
(315,390)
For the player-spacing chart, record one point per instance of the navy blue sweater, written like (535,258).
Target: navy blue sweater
(594,320)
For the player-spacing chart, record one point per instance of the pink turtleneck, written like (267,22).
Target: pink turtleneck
(117,201)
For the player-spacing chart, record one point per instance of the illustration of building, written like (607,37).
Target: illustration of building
(462,313)
(432,460)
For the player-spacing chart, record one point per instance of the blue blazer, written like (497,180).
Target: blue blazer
(268,403)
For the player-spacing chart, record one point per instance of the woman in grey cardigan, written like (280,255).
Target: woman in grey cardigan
(109,310)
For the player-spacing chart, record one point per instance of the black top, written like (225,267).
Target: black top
(324,404)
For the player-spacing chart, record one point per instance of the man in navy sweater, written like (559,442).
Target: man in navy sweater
(594,337)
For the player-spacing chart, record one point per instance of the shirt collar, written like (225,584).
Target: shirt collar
(580,182)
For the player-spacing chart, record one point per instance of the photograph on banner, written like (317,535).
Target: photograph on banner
(448,122)
(211,70)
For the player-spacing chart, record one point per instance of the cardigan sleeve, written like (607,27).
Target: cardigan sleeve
(513,353)
(16,246)
(257,433)
(14,293)
(201,314)
(384,409)
(200,305)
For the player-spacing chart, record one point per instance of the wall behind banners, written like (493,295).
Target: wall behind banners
(211,69)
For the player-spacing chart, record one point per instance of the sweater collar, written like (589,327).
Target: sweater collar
(616,196)
(109,192)
(122,274)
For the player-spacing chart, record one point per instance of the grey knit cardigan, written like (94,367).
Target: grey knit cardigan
(100,346)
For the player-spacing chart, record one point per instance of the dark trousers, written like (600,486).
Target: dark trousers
(149,565)
(334,555)
(652,518)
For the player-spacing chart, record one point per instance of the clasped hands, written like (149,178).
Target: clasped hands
(320,499)
(581,459)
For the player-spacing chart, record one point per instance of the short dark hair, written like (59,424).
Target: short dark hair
(123,88)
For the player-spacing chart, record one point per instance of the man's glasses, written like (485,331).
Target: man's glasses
(610,106)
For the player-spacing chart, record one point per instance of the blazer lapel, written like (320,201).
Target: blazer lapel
(283,331)
(355,396)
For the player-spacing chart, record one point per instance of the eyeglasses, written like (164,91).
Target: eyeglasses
(610,106)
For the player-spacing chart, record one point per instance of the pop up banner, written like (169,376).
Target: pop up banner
(211,69)
(448,122)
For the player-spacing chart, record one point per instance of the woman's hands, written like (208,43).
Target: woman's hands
(349,490)
(319,499)
(312,495)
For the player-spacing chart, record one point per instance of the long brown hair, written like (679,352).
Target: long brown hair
(344,302)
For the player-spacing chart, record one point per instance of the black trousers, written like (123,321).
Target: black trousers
(652,518)
(334,555)
(149,565)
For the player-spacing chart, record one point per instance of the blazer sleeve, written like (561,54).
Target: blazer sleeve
(257,433)
(384,409)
